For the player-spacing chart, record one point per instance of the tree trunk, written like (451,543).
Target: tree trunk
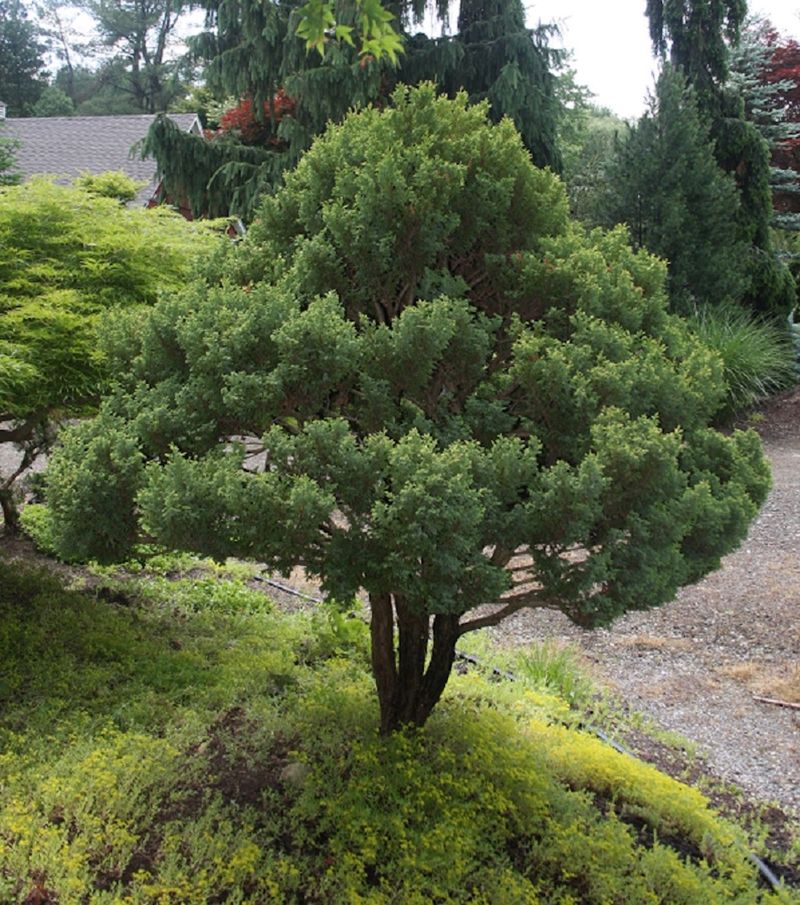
(10,513)
(407,691)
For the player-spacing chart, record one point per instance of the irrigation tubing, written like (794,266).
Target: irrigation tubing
(763,868)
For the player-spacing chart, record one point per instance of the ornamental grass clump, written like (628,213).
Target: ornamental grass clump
(758,355)
(459,397)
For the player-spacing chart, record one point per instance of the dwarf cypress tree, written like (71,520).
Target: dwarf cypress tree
(465,405)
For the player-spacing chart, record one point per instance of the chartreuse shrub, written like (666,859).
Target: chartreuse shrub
(69,255)
(197,757)
(111,184)
(459,395)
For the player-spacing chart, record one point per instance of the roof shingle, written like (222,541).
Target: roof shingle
(67,146)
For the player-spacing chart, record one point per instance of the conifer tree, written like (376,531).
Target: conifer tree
(461,401)
(666,185)
(694,32)
(251,50)
(493,56)
(22,49)
(764,69)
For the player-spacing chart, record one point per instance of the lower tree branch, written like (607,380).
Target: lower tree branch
(23,431)
(531,600)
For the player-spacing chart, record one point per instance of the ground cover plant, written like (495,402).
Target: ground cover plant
(170,753)
(67,257)
(456,394)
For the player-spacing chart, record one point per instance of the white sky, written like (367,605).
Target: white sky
(612,56)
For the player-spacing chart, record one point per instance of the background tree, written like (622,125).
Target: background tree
(765,69)
(695,32)
(588,155)
(493,56)
(53,102)
(66,43)
(8,160)
(67,256)
(461,399)
(139,37)
(252,52)
(664,182)
(22,76)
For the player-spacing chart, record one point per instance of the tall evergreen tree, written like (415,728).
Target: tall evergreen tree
(251,49)
(493,56)
(766,71)
(694,33)
(666,185)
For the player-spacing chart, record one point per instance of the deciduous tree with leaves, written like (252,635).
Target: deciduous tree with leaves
(138,35)
(464,405)
(8,159)
(67,257)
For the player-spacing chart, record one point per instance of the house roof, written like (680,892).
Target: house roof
(67,146)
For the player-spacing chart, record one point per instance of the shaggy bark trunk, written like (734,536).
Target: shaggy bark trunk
(407,691)
(10,513)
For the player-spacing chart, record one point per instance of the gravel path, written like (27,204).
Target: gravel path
(695,664)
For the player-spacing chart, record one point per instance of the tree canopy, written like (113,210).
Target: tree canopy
(22,66)
(765,68)
(458,398)
(8,159)
(697,34)
(665,183)
(138,37)
(68,256)
(252,53)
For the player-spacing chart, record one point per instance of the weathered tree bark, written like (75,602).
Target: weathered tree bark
(11,525)
(384,666)
(407,691)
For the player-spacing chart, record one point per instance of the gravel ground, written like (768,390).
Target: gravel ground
(695,664)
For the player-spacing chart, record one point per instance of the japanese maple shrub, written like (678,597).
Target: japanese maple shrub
(463,402)
(68,256)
